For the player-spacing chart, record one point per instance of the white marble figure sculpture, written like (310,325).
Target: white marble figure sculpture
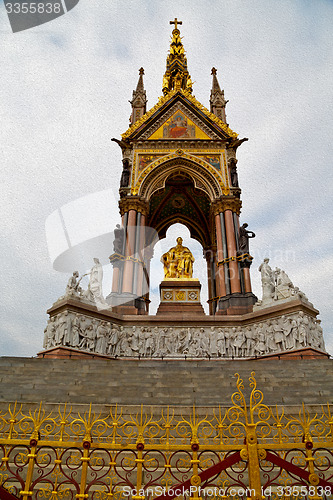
(276,286)
(267,281)
(73,287)
(94,292)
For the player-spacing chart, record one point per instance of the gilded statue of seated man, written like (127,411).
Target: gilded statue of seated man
(178,262)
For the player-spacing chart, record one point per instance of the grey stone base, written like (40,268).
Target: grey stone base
(236,303)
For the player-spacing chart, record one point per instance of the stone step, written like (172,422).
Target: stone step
(157,382)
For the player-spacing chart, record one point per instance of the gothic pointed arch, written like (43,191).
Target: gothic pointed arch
(202,178)
(180,201)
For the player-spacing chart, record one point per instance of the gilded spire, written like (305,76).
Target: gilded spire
(176,76)
(217,100)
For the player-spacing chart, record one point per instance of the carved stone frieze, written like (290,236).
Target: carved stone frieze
(279,334)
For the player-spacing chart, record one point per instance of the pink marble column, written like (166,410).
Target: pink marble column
(210,287)
(220,279)
(232,252)
(130,248)
(115,279)
(139,289)
(247,280)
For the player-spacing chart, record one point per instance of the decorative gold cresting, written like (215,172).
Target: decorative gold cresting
(176,76)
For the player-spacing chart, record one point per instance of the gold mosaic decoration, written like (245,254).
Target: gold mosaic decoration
(195,156)
(164,99)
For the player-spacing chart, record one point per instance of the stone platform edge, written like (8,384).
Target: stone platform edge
(199,320)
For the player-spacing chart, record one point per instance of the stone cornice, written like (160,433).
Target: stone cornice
(227,203)
(133,203)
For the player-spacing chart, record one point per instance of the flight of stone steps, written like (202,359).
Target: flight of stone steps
(167,382)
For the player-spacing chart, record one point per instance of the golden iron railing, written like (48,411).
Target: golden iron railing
(248,450)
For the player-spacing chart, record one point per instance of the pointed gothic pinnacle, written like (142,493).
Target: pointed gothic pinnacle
(216,85)
(140,87)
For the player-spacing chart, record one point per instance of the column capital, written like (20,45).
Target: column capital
(133,203)
(227,203)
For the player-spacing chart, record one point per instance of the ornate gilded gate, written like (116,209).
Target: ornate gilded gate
(248,450)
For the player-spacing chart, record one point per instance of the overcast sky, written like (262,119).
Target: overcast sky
(64,93)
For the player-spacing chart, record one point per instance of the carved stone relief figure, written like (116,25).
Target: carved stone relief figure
(229,346)
(63,329)
(49,333)
(260,340)
(125,348)
(135,340)
(213,342)
(239,342)
(204,348)
(113,340)
(142,341)
(149,342)
(303,323)
(221,347)
(162,342)
(183,341)
(270,338)
(101,337)
(289,332)
(249,337)
(279,335)
(76,331)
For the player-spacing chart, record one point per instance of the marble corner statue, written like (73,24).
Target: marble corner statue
(94,292)
(178,261)
(277,286)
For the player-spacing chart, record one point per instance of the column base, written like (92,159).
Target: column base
(124,303)
(236,303)
(180,297)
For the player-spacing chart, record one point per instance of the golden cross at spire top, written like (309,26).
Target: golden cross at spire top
(176,22)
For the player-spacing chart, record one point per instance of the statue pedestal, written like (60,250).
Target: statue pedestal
(180,296)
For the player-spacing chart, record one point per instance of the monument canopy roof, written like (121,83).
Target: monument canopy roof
(217,126)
